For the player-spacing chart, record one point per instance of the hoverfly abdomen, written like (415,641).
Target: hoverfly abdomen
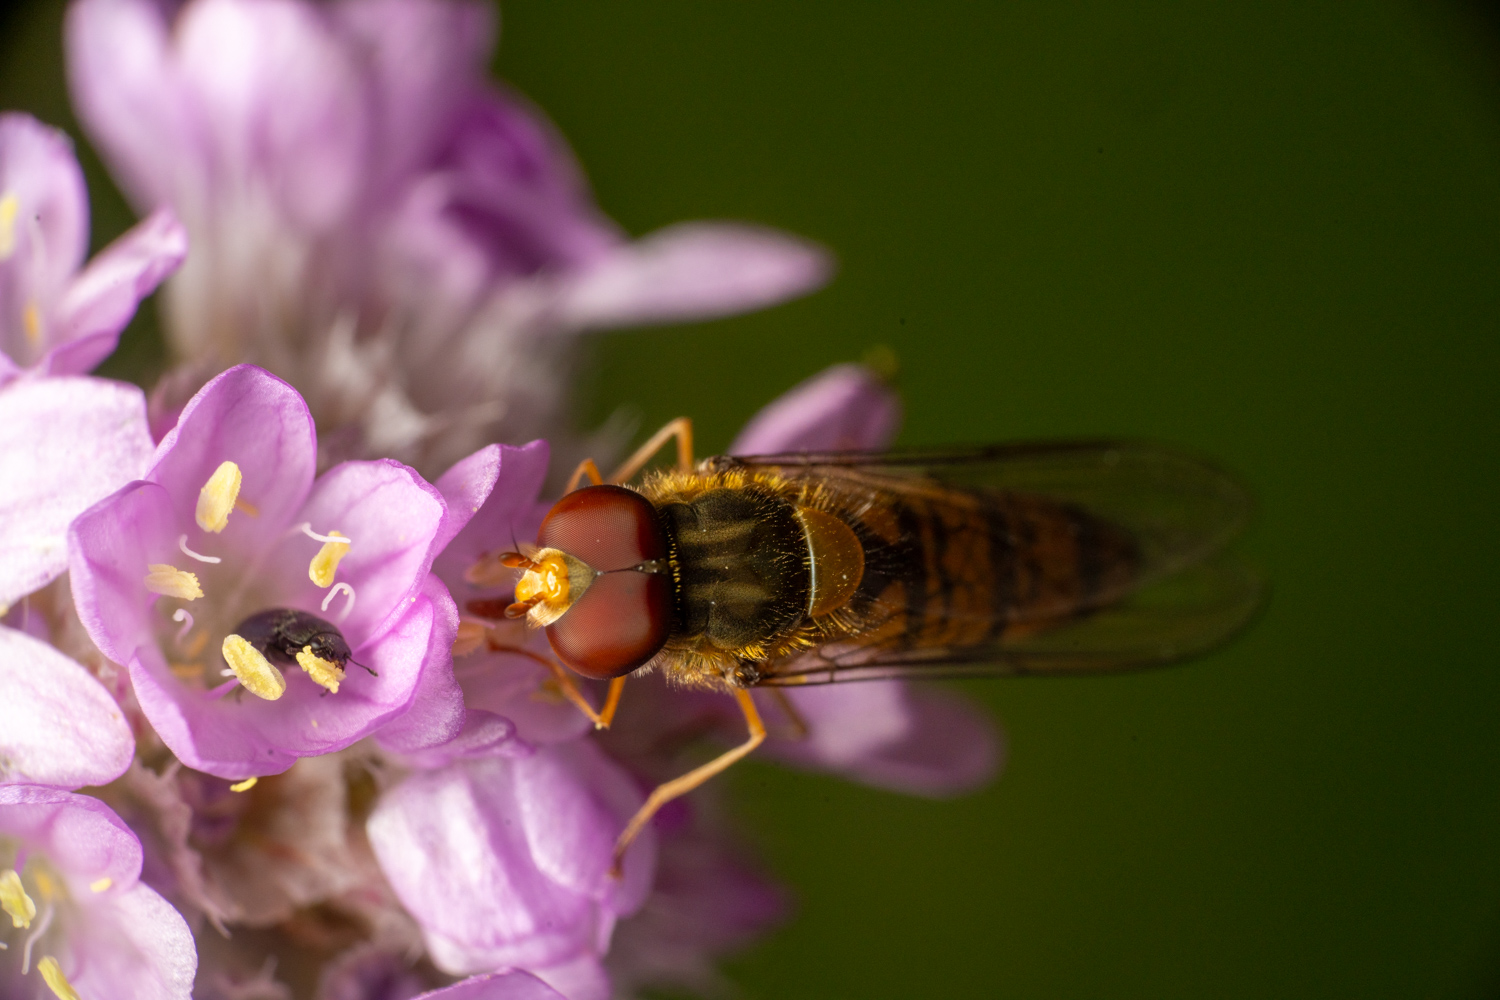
(976,567)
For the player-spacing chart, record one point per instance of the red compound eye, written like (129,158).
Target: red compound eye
(623,619)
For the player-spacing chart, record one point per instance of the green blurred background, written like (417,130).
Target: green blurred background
(1270,233)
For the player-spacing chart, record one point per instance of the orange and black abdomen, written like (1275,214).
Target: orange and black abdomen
(967,568)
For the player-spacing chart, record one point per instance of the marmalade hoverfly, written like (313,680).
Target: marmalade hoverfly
(817,568)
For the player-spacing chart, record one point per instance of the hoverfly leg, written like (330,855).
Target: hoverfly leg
(665,793)
(586,468)
(569,687)
(681,429)
(798,725)
(611,702)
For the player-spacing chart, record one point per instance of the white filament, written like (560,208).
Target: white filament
(41,928)
(306,528)
(186,617)
(333,592)
(182,544)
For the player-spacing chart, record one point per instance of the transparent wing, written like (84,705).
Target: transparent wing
(1179,617)
(1181,512)
(1179,509)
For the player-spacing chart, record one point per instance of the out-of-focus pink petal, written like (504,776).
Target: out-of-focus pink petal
(252,418)
(515,686)
(693,271)
(126,88)
(498,986)
(282,99)
(121,938)
(484,734)
(436,714)
(950,747)
(150,954)
(843,408)
(81,836)
(573,803)
(509,514)
(103,297)
(449,843)
(391,515)
(583,978)
(65,443)
(845,722)
(465,487)
(58,726)
(425,56)
(45,232)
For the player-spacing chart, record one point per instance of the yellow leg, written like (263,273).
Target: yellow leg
(585,468)
(793,717)
(681,429)
(681,786)
(569,687)
(611,703)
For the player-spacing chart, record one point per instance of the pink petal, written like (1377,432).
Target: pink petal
(248,416)
(436,713)
(392,515)
(109,547)
(282,101)
(510,513)
(58,726)
(64,444)
(464,488)
(843,408)
(103,297)
(50,230)
(145,950)
(574,802)
(80,836)
(498,986)
(128,93)
(449,844)
(692,271)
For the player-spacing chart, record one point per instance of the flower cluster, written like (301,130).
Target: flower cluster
(256,620)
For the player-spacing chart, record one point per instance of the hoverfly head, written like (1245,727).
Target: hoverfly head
(601,582)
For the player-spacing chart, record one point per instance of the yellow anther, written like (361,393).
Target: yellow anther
(218,496)
(243,786)
(252,668)
(101,884)
(326,563)
(52,974)
(9,206)
(31,319)
(13,899)
(169,581)
(325,672)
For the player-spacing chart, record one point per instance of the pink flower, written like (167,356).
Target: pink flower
(227,523)
(504,860)
(76,913)
(55,318)
(407,243)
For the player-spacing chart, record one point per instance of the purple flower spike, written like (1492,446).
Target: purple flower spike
(504,861)
(168,572)
(499,986)
(76,913)
(411,245)
(65,443)
(53,317)
(58,726)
